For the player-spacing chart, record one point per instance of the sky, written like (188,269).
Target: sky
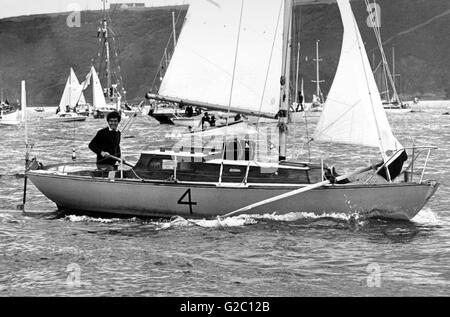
(11,8)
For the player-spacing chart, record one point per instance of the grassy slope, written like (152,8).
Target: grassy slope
(41,49)
(422,55)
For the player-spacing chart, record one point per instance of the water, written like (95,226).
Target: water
(270,255)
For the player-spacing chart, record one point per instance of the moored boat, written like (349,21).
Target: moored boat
(11,117)
(71,97)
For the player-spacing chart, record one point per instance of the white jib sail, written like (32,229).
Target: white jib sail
(353,111)
(201,68)
(97,91)
(73,93)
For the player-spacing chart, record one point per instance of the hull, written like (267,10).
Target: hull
(10,119)
(9,123)
(87,195)
(193,122)
(65,119)
(398,111)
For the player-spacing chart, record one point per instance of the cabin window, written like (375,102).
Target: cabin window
(168,164)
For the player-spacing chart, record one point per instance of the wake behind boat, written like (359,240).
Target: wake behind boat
(195,180)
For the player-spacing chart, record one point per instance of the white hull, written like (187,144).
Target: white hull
(193,122)
(80,194)
(10,119)
(9,122)
(398,111)
(72,117)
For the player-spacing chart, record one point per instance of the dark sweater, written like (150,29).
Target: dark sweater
(106,141)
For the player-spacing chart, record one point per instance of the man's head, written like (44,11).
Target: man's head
(113,119)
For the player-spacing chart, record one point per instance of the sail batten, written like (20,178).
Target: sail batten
(353,112)
(202,66)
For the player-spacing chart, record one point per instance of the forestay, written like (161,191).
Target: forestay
(353,111)
(201,68)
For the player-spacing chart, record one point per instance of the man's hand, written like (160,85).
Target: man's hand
(105,154)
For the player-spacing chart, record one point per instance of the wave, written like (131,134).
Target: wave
(427,217)
(74,218)
(246,219)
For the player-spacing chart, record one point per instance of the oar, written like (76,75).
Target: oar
(297,191)
(120,160)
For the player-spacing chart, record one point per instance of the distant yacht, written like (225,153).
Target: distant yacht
(317,100)
(72,96)
(114,92)
(14,117)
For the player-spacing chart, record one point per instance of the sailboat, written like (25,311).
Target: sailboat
(385,78)
(5,107)
(18,116)
(114,93)
(71,98)
(230,56)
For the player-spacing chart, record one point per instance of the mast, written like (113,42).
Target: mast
(393,62)
(296,76)
(285,80)
(318,81)
(70,89)
(174,30)
(105,37)
(1,87)
(394,75)
(388,77)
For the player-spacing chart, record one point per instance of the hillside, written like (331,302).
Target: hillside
(41,48)
(418,29)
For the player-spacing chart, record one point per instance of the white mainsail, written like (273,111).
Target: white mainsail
(97,91)
(353,111)
(203,63)
(73,93)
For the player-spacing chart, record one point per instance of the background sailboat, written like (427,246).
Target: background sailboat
(318,100)
(386,78)
(71,98)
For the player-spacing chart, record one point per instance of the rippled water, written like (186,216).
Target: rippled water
(292,255)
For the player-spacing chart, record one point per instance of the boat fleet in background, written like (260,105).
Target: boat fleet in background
(74,107)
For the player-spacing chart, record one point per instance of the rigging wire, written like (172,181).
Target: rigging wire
(360,47)
(158,74)
(231,89)
(267,72)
